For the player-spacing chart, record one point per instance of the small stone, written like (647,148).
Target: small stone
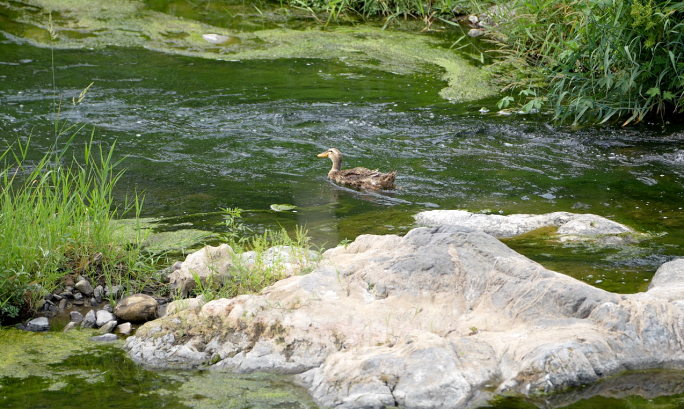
(84,287)
(97,293)
(104,317)
(76,316)
(137,307)
(69,288)
(108,307)
(475,32)
(56,297)
(125,328)
(49,297)
(70,326)
(473,19)
(108,327)
(67,294)
(38,325)
(78,297)
(105,338)
(89,320)
(79,302)
(94,302)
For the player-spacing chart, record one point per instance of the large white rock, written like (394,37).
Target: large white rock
(424,321)
(569,224)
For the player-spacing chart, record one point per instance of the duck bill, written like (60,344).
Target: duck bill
(323,155)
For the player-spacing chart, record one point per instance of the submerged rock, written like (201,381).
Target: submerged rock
(39,324)
(76,316)
(105,338)
(137,307)
(422,321)
(569,224)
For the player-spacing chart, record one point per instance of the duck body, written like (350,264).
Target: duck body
(361,178)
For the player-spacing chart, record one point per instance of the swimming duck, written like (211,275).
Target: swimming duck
(358,177)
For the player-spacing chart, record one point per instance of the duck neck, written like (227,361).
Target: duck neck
(336,166)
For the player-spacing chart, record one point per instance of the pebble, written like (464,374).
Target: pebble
(38,325)
(108,327)
(84,287)
(103,317)
(89,320)
(125,328)
(70,326)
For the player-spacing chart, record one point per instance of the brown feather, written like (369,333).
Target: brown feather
(360,177)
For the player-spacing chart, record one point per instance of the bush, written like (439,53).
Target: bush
(595,60)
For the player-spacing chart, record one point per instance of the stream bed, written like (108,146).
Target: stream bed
(199,134)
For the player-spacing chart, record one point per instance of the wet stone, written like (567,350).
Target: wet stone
(76,316)
(70,326)
(56,297)
(78,297)
(97,293)
(89,320)
(125,328)
(37,325)
(62,303)
(67,294)
(104,317)
(108,327)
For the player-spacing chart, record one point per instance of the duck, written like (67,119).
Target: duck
(360,178)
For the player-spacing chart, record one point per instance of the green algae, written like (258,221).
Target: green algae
(29,353)
(153,238)
(218,390)
(98,23)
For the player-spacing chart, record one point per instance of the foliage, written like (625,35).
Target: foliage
(55,219)
(594,60)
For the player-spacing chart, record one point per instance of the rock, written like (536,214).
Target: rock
(62,303)
(104,317)
(84,287)
(56,297)
(668,281)
(89,320)
(67,294)
(216,38)
(49,297)
(70,326)
(97,293)
(137,307)
(76,316)
(93,302)
(569,224)
(39,324)
(78,297)
(108,308)
(113,293)
(214,262)
(125,328)
(104,338)
(428,320)
(108,327)
(187,304)
(473,19)
(475,32)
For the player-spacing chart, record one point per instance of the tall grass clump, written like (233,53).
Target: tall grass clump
(259,260)
(55,216)
(594,61)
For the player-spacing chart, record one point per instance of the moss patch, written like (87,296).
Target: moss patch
(158,241)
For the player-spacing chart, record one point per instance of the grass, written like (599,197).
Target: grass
(55,220)
(256,263)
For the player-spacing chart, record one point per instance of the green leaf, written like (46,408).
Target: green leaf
(668,96)
(653,92)
(504,102)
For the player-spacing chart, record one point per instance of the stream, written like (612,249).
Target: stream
(199,134)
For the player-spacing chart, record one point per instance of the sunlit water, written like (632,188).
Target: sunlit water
(197,136)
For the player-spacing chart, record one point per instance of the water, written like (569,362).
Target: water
(199,134)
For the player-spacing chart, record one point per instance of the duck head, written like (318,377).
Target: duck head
(336,157)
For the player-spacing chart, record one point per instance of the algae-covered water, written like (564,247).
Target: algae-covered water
(207,126)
